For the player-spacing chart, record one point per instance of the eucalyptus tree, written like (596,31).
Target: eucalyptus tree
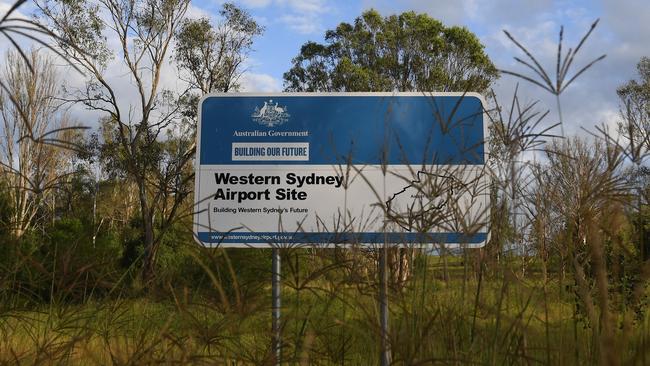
(211,57)
(31,164)
(633,138)
(135,36)
(585,194)
(634,126)
(405,52)
(148,132)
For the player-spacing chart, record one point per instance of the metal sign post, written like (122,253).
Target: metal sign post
(383,306)
(276,305)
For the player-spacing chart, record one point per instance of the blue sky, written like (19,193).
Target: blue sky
(623,34)
(290,23)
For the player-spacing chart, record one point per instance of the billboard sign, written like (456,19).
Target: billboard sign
(323,169)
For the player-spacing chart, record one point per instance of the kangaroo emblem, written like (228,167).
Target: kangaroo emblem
(270,114)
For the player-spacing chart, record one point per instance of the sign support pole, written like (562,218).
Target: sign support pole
(383,305)
(275,289)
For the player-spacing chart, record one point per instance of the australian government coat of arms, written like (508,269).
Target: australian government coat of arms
(270,114)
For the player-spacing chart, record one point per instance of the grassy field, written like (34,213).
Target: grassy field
(498,319)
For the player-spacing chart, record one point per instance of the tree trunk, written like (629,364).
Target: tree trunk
(399,265)
(149,260)
(148,270)
(608,341)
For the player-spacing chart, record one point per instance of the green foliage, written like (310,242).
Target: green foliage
(212,57)
(500,321)
(85,28)
(638,90)
(5,209)
(634,126)
(405,52)
(133,244)
(61,264)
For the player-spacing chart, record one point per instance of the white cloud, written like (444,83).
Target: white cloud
(195,12)
(302,16)
(4,7)
(540,37)
(449,12)
(256,3)
(629,19)
(263,83)
(622,34)
(460,12)
(591,100)
(301,24)
(5,44)
(305,6)
(508,11)
(585,103)
(296,6)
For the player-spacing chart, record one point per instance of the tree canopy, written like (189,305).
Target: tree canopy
(212,57)
(405,52)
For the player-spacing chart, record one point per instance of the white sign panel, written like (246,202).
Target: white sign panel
(341,169)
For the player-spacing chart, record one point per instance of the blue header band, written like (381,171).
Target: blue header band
(370,129)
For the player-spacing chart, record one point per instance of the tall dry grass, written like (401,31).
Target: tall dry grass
(545,290)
